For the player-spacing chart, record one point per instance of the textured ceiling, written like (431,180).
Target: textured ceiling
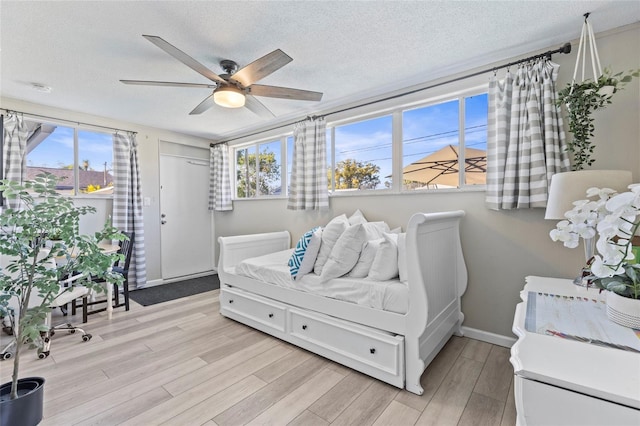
(348,50)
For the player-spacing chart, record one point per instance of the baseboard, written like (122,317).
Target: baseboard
(486,336)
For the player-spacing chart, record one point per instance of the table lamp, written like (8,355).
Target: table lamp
(568,187)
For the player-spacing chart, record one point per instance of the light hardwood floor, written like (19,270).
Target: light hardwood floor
(181,363)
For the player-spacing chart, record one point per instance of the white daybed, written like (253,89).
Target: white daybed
(392,347)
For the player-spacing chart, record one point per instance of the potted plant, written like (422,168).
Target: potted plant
(616,267)
(615,219)
(28,271)
(581,100)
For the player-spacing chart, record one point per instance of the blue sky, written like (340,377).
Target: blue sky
(57,150)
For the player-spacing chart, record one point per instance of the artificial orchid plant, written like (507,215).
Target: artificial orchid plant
(614,218)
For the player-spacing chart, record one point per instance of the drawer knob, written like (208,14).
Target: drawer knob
(372,350)
(230,300)
(304,327)
(270,315)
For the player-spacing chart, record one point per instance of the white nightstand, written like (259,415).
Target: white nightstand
(564,382)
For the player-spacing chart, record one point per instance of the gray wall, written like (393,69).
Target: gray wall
(500,248)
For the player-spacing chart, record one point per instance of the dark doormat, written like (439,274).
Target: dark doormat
(166,292)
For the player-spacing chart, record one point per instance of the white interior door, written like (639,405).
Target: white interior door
(186,223)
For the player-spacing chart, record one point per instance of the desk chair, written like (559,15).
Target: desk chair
(68,293)
(122,267)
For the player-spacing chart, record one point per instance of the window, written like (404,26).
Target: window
(423,147)
(362,155)
(261,178)
(81,159)
(432,139)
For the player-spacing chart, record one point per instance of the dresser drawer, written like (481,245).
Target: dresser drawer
(239,305)
(359,347)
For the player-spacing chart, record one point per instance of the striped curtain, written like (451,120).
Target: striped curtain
(14,151)
(127,201)
(219,182)
(308,188)
(525,137)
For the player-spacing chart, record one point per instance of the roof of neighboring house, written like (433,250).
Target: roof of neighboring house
(86,177)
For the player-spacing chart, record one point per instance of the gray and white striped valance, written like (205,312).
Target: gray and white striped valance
(219,182)
(525,137)
(14,151)
(308,188)
(127,201)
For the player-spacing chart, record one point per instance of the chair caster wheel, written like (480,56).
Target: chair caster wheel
(86,337)
(5,355)
(43,355)
(72,331)
(52,333)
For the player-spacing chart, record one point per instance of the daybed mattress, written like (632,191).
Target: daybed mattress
(392,295)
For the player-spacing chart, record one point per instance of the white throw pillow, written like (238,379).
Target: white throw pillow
(345,253)
(385,264)
(330,235)
(402,257)
(369,250)
(305,252)
(311,255)
(375,230)
(357,217)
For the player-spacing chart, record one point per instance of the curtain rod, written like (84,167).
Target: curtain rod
(79,123)
(564,49)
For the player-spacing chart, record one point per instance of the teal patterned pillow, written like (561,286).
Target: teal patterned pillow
(305,253)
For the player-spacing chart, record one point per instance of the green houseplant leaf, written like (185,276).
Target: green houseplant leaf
(581,101)
(31,269)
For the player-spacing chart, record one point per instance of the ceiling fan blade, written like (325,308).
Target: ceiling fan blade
(168,83)
(184,58)
(204,105)
(262,67)
(284,93)
(257,107)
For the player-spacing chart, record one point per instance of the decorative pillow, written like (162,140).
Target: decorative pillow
(369,250)
(305,253)
(357,217)
(375,230)
(330,235)
(345,253)
(385,264)
(402,257)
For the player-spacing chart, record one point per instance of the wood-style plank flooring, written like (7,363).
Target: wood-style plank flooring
(181,363)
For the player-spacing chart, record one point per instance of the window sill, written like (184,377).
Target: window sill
(384,192)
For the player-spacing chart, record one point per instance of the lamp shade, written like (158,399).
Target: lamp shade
(229,97)
(568,187)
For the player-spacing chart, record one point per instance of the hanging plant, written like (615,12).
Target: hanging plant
(581,100)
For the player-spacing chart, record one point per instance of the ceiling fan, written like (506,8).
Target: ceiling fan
(235,88)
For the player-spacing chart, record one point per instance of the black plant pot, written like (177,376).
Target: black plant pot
(26,410)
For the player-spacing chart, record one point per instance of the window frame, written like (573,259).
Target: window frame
(255,145)
(386,109)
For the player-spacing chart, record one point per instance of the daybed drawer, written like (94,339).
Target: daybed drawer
(235,302)
(360,347)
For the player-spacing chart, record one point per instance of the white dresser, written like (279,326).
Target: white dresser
(560,381)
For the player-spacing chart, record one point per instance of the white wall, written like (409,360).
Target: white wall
(500,248)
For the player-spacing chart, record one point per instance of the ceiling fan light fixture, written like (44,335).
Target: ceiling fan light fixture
(229,97)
